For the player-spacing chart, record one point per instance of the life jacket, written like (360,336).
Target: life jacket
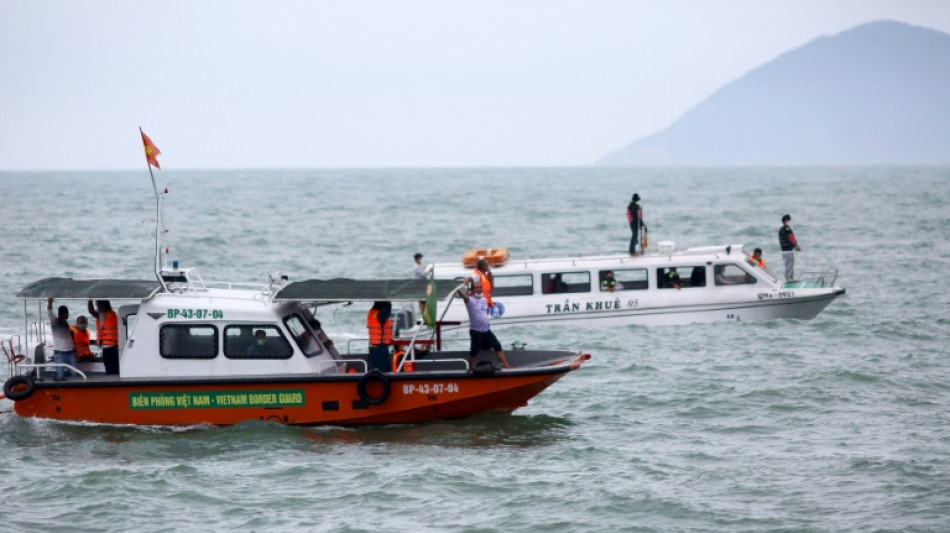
(633,212)
(760,262)
(107,333)
(786,238)
(408,366)
(486,286)
(81,342)
(378,333)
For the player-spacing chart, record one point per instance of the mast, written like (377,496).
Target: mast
(151,152)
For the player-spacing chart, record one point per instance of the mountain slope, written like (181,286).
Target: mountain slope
(876,94)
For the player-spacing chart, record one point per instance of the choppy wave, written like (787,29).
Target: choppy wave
(835,424)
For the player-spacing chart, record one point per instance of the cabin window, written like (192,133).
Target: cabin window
(558,282)
(689,277)
(255,341)
(188,341)
(519,285)
(303,335)
(624,280)
(731,275)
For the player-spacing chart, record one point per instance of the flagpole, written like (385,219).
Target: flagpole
(159,223)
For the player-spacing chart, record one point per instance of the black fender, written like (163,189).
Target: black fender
(19,387)
(485,368)
(370,377)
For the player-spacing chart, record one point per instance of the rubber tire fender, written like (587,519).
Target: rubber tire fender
(369,377)
(11,392)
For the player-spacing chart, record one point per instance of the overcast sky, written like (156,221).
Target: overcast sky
(381,83)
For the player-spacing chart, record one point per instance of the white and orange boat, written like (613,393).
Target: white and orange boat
(188,355)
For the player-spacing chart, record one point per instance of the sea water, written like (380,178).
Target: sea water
(840,423)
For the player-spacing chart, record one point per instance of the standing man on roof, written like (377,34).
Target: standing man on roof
(107,334)
(635,218)
(420,271)
(788,243)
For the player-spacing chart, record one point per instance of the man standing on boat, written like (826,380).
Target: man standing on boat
(64,351)
(380,329)
(482,276)
(635,218)
(107,334)
(789,244)
(478,327)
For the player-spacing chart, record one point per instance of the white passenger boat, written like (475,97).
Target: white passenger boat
(716,283)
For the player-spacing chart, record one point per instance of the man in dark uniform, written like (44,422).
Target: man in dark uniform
(789,245)
(673,278)
(635,218)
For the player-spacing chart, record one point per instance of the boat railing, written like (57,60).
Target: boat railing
(235,285)
(360,362)
(814,280)
(50,365)
(13,353)
(462,362)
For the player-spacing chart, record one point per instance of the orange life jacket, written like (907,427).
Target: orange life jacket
(408,366)
(81,342)
(107,333)
(760,262)
(486,286)
(378,333)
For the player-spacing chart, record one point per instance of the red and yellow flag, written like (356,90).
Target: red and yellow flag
(151,151)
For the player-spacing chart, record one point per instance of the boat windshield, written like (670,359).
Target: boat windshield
(305,338)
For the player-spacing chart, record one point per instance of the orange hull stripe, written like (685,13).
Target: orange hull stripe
(410,401)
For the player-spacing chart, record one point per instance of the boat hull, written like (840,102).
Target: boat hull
(414,397)
(624,312)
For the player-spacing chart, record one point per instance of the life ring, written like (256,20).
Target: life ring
(494,256)
(374,376)
(19,387)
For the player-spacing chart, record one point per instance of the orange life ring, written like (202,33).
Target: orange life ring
(494,256)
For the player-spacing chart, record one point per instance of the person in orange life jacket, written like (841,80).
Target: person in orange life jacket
(756,257)
(479,329)
(64,351)
(482,276)
(81,339)
(380,329)
(788,243)
(107,334)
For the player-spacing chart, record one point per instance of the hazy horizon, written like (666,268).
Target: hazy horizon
(420,84)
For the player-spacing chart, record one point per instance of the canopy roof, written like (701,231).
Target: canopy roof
(90,289)
(353,290)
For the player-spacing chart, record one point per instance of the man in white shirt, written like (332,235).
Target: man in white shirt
(64,351)
(478,326)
